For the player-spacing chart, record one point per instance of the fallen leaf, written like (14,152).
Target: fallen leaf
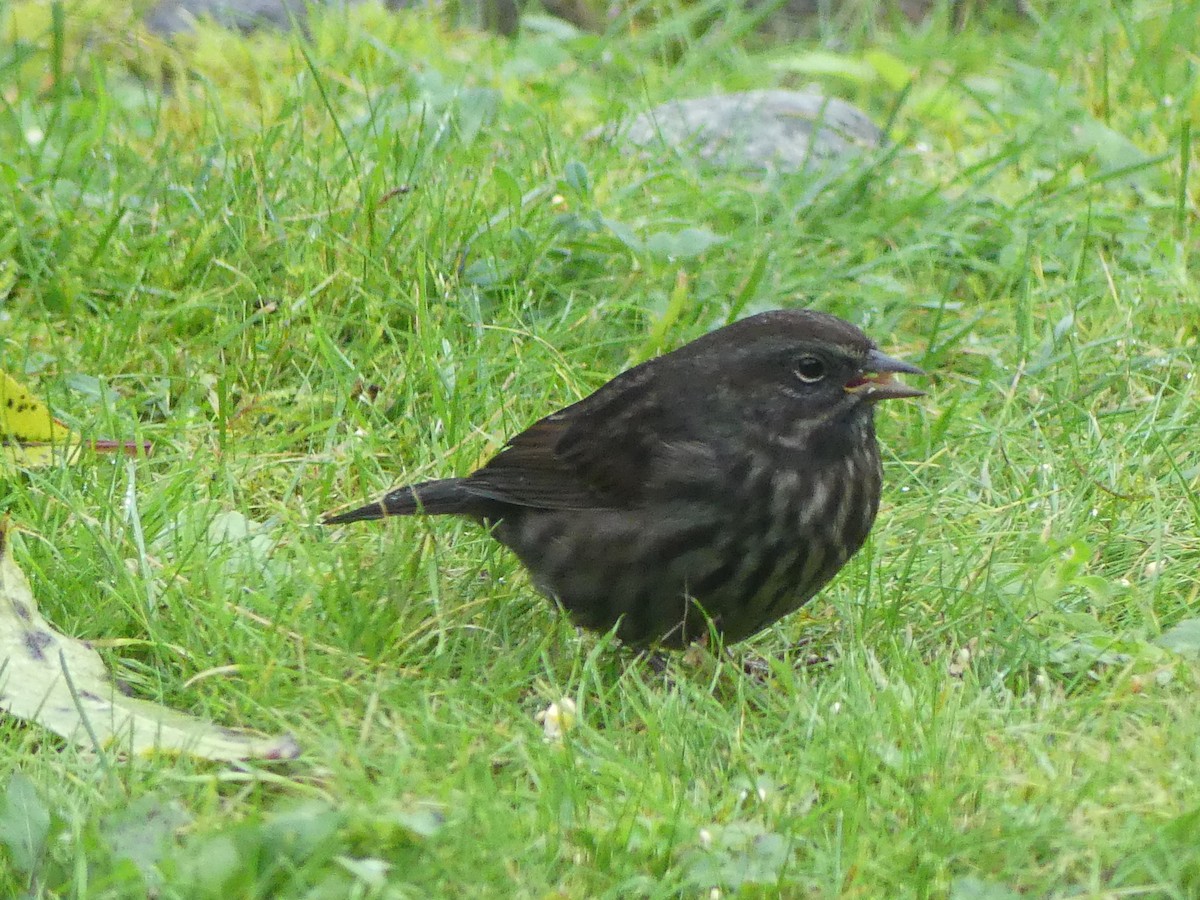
(62,684)
(30,436)
(143,834)
(27,430)
(24,823)
(1183,638)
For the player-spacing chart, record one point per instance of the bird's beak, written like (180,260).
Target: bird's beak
(876,382)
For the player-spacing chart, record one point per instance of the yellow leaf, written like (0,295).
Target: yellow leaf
(24,419)
(62,684)
(30,436)
(30,456)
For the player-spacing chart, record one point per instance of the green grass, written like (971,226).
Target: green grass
(216,246)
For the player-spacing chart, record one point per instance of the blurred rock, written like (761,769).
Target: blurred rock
(170,16)
(913,10)
(773,130)
(792,18)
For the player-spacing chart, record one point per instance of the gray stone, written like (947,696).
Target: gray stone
(774,130)
(171,16)
(790,19)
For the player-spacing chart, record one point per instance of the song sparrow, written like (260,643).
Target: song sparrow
(720,485)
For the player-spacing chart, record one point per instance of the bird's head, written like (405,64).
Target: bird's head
(800,374)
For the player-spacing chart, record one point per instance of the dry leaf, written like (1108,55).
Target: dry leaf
(62,684)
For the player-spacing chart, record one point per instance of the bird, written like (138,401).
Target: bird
(707,492)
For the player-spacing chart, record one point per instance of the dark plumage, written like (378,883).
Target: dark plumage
(724,482)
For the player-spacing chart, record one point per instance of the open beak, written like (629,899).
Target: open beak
(876,381)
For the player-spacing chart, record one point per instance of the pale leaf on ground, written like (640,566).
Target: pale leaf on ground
(62,684)
(1183,638)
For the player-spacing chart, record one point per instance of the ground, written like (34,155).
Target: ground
(310,267)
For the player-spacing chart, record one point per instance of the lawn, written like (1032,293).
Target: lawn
(310,267)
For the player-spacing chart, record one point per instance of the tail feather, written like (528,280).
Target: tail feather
(443,497)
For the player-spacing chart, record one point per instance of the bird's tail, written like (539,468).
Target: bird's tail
(443,497)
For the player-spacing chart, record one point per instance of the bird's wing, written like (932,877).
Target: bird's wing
(595,454)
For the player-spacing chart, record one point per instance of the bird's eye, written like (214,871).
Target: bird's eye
(810,369)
